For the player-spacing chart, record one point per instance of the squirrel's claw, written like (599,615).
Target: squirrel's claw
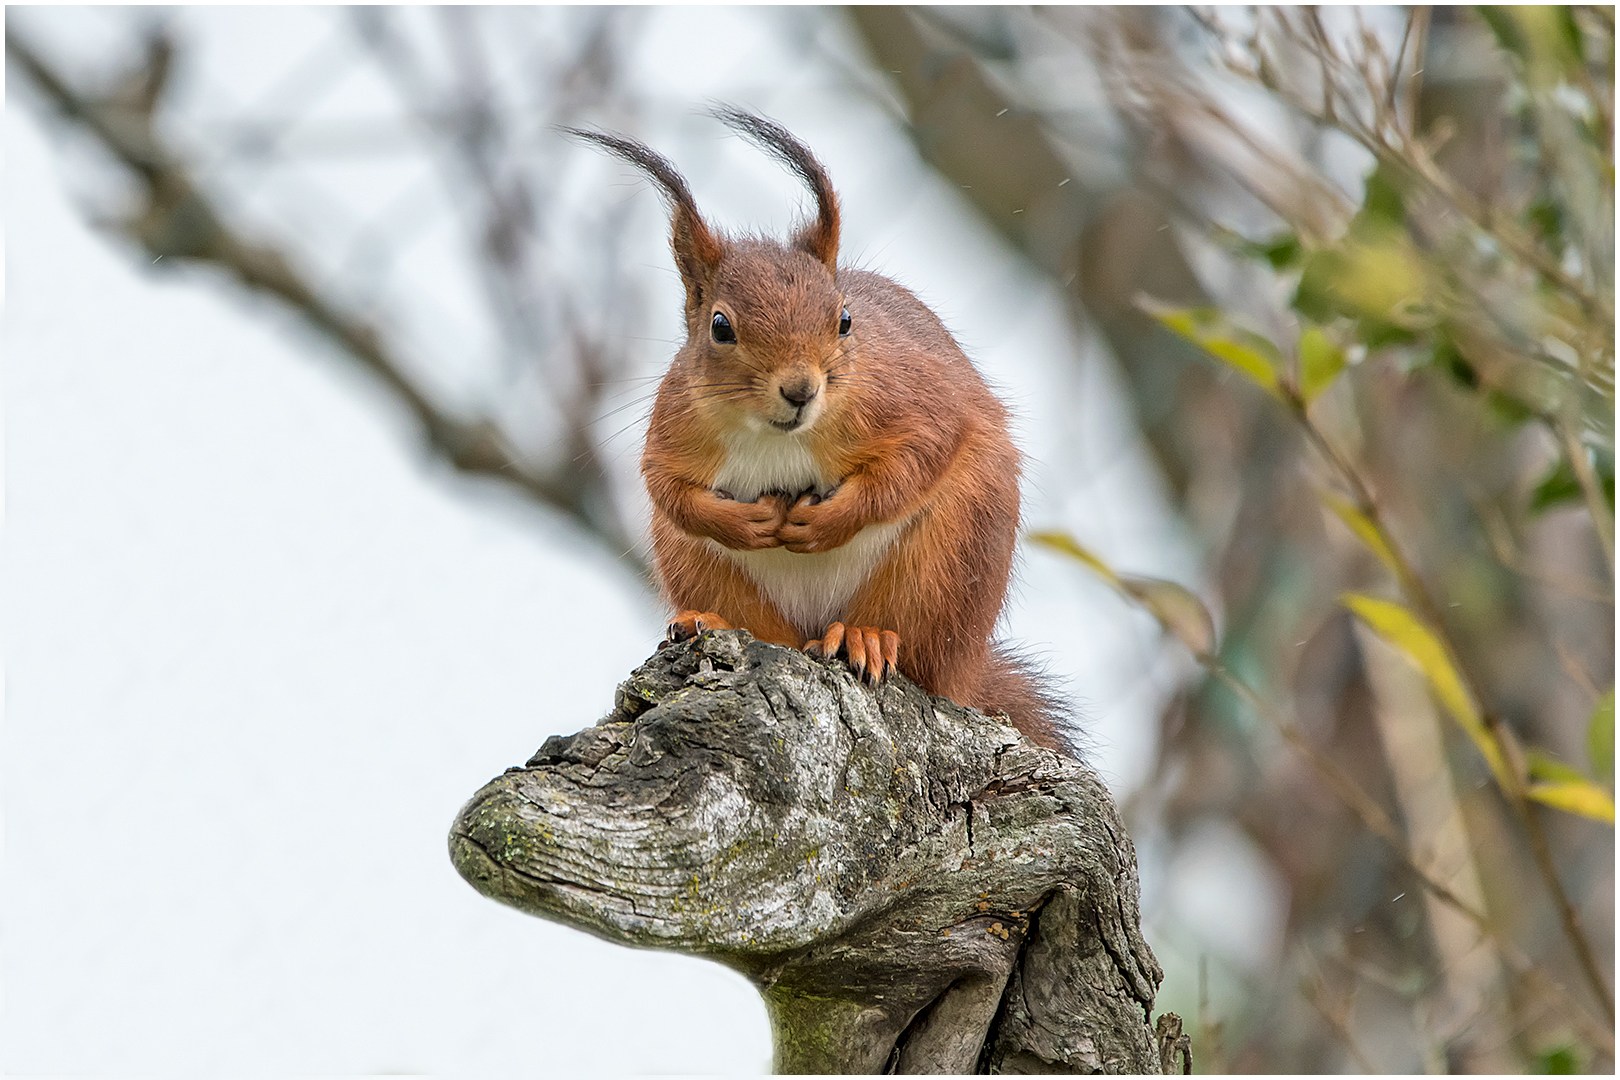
(830,643)
(855,649)
(871,653)
(689,624)
(889,644)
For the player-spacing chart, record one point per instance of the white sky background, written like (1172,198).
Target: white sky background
(258,654)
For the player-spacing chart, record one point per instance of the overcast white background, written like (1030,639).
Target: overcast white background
(258,651)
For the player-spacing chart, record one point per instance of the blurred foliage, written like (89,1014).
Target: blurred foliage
(1397,225)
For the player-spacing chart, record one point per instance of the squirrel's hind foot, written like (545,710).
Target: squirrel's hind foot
(873,653)
(689,624)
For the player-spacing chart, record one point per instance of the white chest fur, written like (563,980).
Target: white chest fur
(811,590)
(761,461)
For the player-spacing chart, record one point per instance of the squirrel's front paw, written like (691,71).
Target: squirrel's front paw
(873,653)
(814,523)
(689,624)
(748,526)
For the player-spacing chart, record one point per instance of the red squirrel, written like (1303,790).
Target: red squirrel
(826,467)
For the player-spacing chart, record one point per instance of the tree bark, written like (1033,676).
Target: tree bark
(913,886)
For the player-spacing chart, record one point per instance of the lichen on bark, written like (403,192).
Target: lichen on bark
(913,886)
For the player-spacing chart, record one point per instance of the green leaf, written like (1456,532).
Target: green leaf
(1557,487)
(1382,273)
(1545,39)
(1398,626)
(1600,738)
(1543,766)
(1314,296)
(1362,526)
(1374,275)
(1581,797)
(1281,251)
(1509,410)
(1382,201)
(1558,1060)
(1065,544)
(1571,33)
(1546,217)
(1211,331)
(1560,485)
(1555,40)
(1508,34)
(1448,358)
(1376,333)
(1320,362)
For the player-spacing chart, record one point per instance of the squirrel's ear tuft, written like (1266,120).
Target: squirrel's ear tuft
(697,248)
(819,237)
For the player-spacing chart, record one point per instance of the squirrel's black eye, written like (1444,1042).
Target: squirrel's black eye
(720,329)
(843,322)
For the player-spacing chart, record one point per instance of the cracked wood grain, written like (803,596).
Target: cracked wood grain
(913,886)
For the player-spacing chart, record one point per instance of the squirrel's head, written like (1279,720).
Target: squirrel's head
(769,333)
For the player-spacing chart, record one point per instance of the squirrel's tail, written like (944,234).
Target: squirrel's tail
(1012,685)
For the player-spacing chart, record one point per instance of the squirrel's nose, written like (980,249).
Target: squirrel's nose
(799,394)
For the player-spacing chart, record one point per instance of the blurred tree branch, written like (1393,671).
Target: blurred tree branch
(524,297)
(1103,245)
(179,221)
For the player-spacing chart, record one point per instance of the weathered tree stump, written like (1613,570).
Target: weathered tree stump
(913,886)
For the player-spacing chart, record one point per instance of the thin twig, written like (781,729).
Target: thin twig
(1405,571)
(180,222)
(1596,505)
(1500,538)
(1400,59)
(1506,745)
(1577,673)
(1566,910)
(1414,84)
(1316,992)
(1412,161)
(1377,822)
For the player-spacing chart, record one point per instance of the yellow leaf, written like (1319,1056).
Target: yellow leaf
(1181,613)
(1543,766)
(1207,328)
(1361,525)
(1067,545)
(1581,797)
(1382,274)
(1406,632)
(1320,362)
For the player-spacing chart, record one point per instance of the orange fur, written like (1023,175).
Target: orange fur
(898,441)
